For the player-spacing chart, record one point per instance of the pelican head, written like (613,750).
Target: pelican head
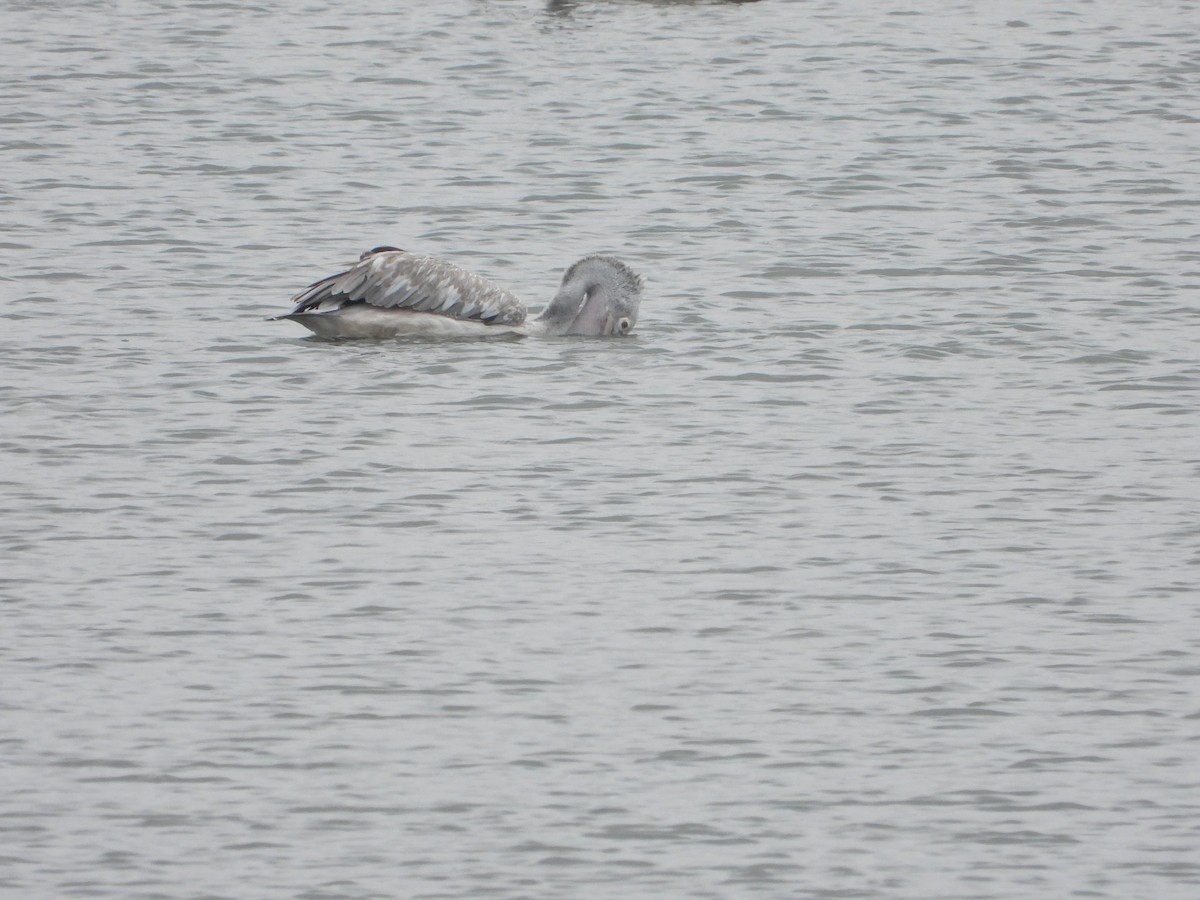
(599,295)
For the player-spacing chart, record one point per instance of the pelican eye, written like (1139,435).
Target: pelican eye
(623,324)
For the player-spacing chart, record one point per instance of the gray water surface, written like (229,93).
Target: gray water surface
(866,568)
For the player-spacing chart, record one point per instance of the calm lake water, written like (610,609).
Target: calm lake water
(865,568)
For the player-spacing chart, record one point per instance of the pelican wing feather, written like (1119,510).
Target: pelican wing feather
(396,279)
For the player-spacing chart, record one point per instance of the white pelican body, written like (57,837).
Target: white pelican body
(391,293)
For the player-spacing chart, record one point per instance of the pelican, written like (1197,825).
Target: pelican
(393,293)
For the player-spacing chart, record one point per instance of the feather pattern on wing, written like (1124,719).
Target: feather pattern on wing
(396,279)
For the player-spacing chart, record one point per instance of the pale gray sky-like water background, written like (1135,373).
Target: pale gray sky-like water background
(866,568)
